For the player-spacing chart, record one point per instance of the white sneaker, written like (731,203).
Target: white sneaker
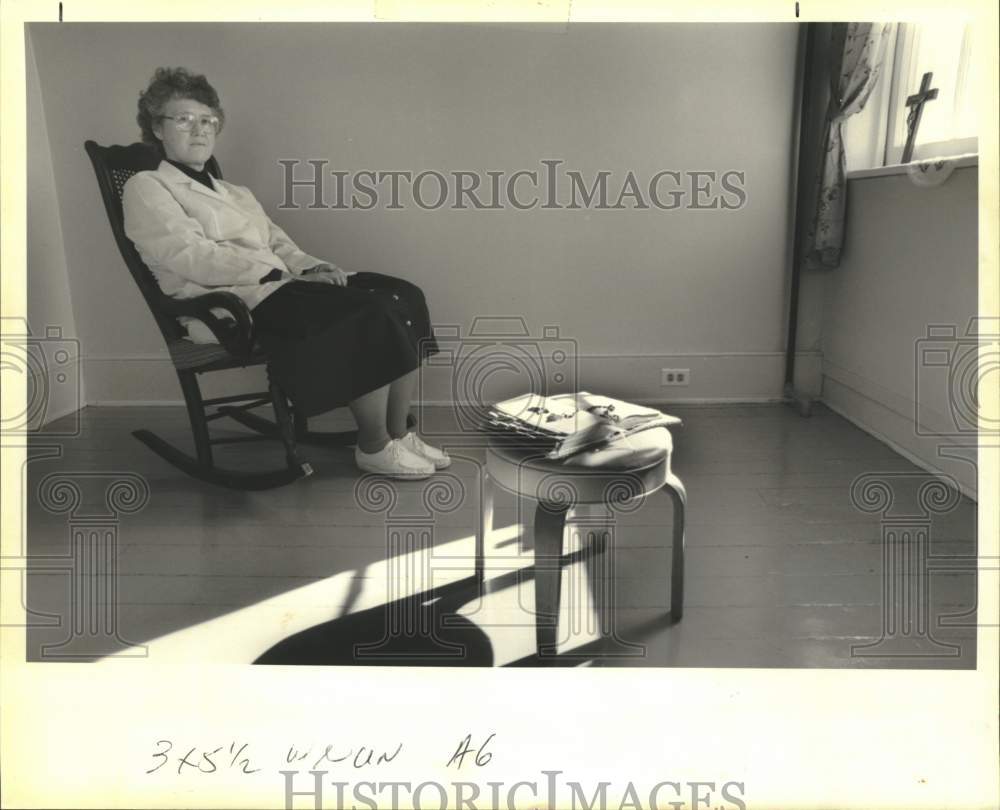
(412,442)
(394,461)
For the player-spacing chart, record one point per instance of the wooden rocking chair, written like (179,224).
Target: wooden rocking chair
(236,348)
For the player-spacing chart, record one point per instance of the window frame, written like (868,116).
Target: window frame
(903,54)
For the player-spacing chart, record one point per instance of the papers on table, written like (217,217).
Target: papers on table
(570,423)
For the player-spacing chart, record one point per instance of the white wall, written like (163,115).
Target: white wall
(50,312)
(910,262)
(637,290)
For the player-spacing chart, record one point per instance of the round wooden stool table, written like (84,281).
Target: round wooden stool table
(629,468)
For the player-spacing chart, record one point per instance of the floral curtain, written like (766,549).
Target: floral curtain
(857,51)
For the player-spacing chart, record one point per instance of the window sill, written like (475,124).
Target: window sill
(961,162)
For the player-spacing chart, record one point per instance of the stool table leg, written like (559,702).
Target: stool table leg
(550,520)
(675,489)
(484,529)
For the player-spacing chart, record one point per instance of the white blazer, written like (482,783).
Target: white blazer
(196,240)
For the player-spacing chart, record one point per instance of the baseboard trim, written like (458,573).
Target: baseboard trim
(909,455)
(137,403)
(738,377)
(899,404)
(63,389)
(59,413)
(441,403)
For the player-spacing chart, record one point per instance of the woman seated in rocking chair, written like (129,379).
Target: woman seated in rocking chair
(334,338)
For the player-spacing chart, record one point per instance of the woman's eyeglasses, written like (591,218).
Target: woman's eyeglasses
(185,121)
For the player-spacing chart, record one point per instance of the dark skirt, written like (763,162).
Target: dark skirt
(329,344)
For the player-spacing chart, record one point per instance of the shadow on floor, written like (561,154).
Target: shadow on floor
(428,630)
(421,630)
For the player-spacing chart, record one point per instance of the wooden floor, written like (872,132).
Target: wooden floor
(126,556)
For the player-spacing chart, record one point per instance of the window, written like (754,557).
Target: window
(876,136)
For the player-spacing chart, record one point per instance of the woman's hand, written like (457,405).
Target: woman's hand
(327,274)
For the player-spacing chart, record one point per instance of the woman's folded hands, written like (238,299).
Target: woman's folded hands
(326,274)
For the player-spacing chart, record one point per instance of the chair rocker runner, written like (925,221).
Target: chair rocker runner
(236,348)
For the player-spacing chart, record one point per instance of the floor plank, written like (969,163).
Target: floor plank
(783,568)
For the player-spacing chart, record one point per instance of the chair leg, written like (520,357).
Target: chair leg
(550,520)
(196,414)
(202,466)
(211,474)
(675,489)
(286,430)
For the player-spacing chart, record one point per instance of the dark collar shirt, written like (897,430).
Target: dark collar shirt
(202,177)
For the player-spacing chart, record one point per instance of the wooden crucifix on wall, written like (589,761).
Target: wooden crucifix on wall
(916,104)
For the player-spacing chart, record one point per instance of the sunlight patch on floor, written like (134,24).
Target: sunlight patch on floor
(505,613)
(241,636)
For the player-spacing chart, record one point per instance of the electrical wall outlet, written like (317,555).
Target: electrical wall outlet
(675,376)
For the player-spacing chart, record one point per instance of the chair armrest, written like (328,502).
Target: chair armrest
(236,339)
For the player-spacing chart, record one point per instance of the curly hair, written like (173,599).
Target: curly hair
(168,84)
